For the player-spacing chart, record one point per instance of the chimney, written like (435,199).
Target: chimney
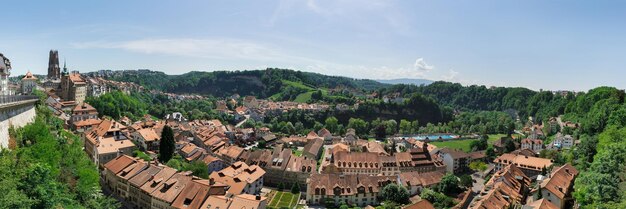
(258,197)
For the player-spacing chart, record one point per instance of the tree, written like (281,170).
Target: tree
(391,127)
(395,193)
(466,181)
(262,144)
(359,125)
(167,144)
(331,123)
(509,146)
(449,184)
(280,186)
(295,188)
(438,200)
(490,152)
(405,127)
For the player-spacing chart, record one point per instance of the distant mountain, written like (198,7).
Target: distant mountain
(417,82)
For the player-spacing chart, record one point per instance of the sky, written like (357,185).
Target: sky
(538,44)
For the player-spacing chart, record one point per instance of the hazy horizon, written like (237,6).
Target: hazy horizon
(561,45)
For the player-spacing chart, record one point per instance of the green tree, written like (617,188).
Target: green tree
(332,124)
(360,126)
(167,144)
(438,200)
(405,127)
(449,184)
(395,193)
(295,188)
(466,181)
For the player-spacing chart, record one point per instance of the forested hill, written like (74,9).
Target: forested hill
(260,83)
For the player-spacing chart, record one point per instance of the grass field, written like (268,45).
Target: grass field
(465,144)
(304,97)
(284,199)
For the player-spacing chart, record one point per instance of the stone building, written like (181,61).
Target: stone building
(5,71)
(54,70)
(29,83)
(73,86)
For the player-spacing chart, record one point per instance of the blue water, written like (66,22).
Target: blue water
(435,137)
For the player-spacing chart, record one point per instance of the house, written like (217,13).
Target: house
(506,189)
(415,181)
(229,154)
(29,83)
(535,145)
(531,166)
(313,149)
(191,152)
(230,201)
(117,172)
(196,192)
(214,164)
(422,204)
(250,102)
(165,194)
(240,178)
(456,161)
(147,139)
(107,141)
(558,186)
(540,204)
(83,112)
(356,189)
(143,184)
(563,142)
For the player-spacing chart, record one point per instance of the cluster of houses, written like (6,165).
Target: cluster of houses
(258,109)
(152,185)
(511,187)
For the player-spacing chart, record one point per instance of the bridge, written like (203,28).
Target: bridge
(16,111)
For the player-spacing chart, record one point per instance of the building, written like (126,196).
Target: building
(230,201)
(5,71)
(507,188)
(230,154)
(357,189)
(195,193)
(73,87)
(83,112)
(415,181)
(214,164)
(106,141)
(147,139)
(535,145)
(152,184)
(29,83)
(540,204)
(118,171)
(95,87)
(240,178)
(422,204)
(456,161)
(563,142)
(54,69)
(531,166)
(558,186)
(313,149)
(165,194)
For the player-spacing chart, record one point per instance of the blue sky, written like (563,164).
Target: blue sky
(553,45)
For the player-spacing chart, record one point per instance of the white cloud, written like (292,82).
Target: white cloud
(217,48)
(451,76)
(421,65)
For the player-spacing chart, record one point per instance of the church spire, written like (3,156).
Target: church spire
(64,67)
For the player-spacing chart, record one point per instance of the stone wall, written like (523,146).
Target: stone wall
(17,115)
